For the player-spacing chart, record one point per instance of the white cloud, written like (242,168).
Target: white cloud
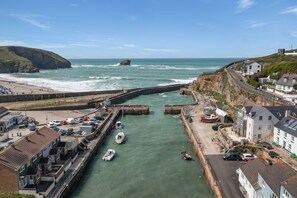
(34,20)
(129,45)
(243,5)
(290,10)
(254,23)
(73,5)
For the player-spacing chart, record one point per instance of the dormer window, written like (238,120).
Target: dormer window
(285,79)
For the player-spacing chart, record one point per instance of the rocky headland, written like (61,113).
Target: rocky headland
(14,59)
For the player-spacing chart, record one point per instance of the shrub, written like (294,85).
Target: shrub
(273,154)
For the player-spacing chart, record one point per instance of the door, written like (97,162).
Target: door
(284,144)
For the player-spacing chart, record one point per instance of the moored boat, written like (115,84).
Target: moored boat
(118,125)
(109,155)
(210,118)
(120,137)
(186,156)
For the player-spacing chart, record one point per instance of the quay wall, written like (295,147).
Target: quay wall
(144,91)
(32,97)
(214,187)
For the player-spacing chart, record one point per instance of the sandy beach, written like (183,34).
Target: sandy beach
(10,87)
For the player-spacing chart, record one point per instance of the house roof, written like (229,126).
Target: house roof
(287,80)
(253,109)
(288,124)
(280,111)
(251,170)
(3,110)
(291,185)
(277,173)
(24,150)
(8,116)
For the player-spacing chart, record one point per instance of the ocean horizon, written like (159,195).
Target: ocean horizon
(107,74)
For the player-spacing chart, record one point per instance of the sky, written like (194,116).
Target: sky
(151,28)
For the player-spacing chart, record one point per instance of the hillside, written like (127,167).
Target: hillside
(15,59)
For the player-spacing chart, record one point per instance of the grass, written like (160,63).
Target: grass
(217,96)
(6,55)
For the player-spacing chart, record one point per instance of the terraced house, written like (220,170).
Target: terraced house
(30,165)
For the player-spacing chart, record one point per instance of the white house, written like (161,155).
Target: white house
(256,122)
(289,188)
(8,119)
(248,178)
(250,68)
(259,179)
(286,83)
(285,133)
(272,178)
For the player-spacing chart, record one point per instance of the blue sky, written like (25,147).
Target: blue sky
(151,28)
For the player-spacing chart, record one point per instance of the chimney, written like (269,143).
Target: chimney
(287,113)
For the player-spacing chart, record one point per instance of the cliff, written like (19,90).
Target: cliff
(15,59)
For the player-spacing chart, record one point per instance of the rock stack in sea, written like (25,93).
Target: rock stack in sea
(125,62)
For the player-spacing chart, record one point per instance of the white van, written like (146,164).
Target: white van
(70,120)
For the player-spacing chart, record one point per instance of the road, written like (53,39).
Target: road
(240,82)
(225,174)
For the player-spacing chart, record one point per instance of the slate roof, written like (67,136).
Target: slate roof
(24,150)
(291,79)
(277,173)
(253,109)
(288,124)
(280,111)
(291,185)
(251,170)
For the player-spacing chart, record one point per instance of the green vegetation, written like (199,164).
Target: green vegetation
(15,196)
(253,82)
(217,96)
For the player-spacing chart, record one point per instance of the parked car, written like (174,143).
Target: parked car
(232,156)
(62,132)
(93,121)
(248,156)
(70,120)
(266,145)
(216,126)
(69,131)
(273,154)
(56,122)
(51,125)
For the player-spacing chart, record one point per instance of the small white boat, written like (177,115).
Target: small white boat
(186,156)
(120,137)
(118,125)
(109,155)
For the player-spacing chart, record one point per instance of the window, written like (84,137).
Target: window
(285,135)
(290,147)
(259,136)
(278,131)
(260,117)
(273,195)
(269,117)
(277,140)
(34,158)
(260,127)
(292,140)
(269,127)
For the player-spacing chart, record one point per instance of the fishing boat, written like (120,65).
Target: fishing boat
(109,155)
(209,118)
(120,137)
(186,156)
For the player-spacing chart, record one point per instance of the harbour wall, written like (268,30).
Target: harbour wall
(207,170)
(126,94)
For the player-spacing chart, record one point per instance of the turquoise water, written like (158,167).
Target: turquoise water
(105,74)
(149,164)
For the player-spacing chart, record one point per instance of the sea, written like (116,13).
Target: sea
(149,163)
(107,74)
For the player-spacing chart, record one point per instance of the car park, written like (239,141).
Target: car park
(248,156)
(51,125)
(69,131)
(56,122)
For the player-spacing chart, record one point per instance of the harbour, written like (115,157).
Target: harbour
(150,158)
